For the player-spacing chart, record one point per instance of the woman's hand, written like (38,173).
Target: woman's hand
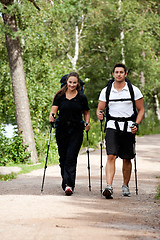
(51,117)
(87,126)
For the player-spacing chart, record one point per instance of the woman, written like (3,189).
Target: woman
(71,104)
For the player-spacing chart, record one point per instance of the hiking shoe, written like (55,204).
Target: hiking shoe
(125,191)
(68,191)
(108,192)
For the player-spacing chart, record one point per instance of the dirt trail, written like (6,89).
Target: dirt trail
(25,214)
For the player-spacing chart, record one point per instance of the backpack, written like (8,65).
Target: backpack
(120,119)
(63,82)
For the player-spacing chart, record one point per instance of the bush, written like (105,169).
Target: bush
(41,139)
(149,125)
(4,142)
(12,149)
(94,135)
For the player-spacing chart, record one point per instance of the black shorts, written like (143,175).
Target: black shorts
(120,144)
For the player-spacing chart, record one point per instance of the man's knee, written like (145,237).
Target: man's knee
(127,161)
(111,158)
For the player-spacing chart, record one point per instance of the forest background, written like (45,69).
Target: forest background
(57,37)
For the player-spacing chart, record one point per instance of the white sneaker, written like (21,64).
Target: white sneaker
(68,191)
(125,191)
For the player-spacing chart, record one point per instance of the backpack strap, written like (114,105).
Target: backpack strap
(109,86)
(108,117)
(132,95)
(108,90)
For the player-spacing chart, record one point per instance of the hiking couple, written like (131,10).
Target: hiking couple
(121,126)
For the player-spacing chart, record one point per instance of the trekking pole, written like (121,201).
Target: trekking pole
(45,167)
(101,159)
(88,163)
(135,168)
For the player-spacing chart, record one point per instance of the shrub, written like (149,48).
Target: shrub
(41,139)
(12,149)
(94,134)
(149,125)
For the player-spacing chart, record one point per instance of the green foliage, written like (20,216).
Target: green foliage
(150,124)
(13,150)
(42,139)
(4,143)
(17,151)
(158,190)
(8,177)
(94,135)
(158,194)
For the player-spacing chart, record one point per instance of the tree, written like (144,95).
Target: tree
(18,80)
(48,41)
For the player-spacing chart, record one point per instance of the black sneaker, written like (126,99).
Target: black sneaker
(108,192)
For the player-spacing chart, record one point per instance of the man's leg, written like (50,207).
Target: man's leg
(126,169)
(112,152)
(110,172)
(110,169)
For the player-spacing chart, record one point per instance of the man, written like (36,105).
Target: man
(122,125)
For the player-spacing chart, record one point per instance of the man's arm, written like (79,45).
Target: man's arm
(100,110)
(140,107)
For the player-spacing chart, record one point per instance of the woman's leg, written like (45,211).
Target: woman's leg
(74,143)
(62,142)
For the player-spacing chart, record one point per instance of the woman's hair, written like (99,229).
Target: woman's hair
(65,87)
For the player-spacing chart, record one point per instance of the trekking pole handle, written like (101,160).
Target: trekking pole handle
(101,111)
(53,115)
(86,126)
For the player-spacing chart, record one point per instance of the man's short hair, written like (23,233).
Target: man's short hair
(120,65)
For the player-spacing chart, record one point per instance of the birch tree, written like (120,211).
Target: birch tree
(78,33)
(121,33)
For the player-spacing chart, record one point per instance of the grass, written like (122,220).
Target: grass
(8,177)
(158,191)
(25,168)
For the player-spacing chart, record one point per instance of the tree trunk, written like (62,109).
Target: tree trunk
(157,109)
(77,38)
(121,34)
(19,86)
(76,53)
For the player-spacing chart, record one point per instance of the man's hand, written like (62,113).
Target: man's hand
(100,115)
(134,128)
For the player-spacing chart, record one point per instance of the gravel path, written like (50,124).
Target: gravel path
(26,214)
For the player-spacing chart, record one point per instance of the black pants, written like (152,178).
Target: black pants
(69,142)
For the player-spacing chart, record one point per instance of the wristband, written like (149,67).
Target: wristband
(134,125)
